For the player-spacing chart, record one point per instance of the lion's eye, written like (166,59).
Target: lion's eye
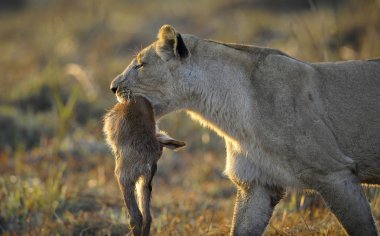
(138,66)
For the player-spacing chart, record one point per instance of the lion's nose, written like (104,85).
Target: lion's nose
(116,82)
(114,89)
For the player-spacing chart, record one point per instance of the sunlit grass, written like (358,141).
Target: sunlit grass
(54,197)
(28,202)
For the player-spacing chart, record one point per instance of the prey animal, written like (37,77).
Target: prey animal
(130,130)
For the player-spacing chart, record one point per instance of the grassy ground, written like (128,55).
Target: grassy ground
(57,59)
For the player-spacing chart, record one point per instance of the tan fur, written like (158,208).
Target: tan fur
(167,41)
(131,132)
(286,123)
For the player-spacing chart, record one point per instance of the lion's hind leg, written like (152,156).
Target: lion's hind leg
(334,175)
(345,197)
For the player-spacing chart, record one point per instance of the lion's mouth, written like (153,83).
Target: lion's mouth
(124,94)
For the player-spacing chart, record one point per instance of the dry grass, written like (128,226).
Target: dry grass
(56,172)
(71,196)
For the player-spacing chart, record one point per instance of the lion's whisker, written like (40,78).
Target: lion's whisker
(134,98)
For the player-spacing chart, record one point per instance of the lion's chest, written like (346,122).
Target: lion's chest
(257,166)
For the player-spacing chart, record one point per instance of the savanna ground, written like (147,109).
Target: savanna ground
(57,59)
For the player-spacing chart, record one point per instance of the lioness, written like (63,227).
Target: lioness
(286,123)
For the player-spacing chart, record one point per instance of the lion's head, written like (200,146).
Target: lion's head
(155,73)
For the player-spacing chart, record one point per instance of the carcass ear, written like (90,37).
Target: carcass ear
(170,44)
(167,141)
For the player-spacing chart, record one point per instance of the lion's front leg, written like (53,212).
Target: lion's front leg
(253,209)
(254,202)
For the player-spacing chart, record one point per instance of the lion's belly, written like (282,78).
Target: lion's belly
(351,94)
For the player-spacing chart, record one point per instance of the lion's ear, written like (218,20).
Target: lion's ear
(170,44)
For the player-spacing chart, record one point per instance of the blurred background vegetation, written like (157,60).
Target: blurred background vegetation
(57,59)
